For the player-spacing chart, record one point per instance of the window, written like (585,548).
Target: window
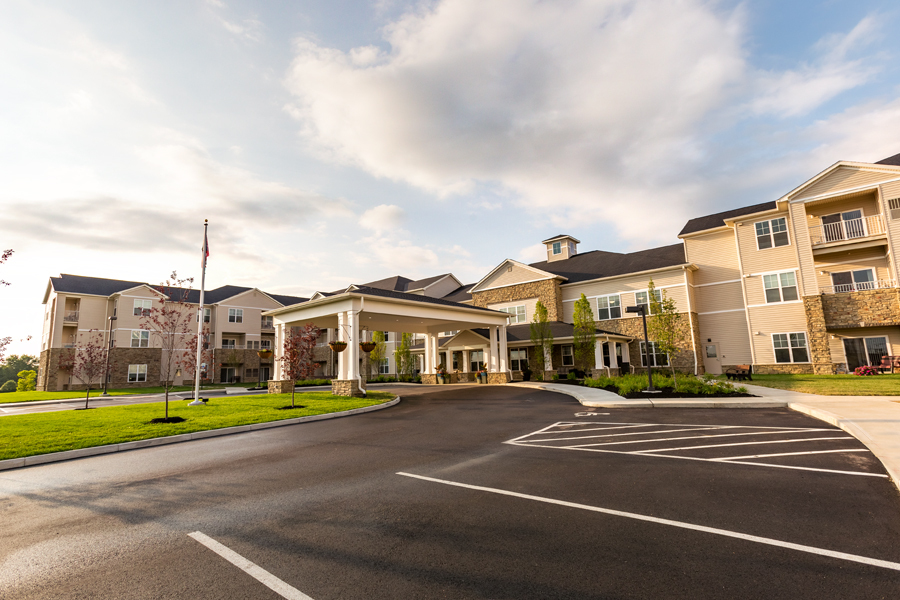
(253,345)
(268,322)
(205,315)
(228,343)
(846,225)
(385,367)
(894,207)
(518,359)
(265,344)
(642,298)
(142,308)
(790,347)
(518,313)
(140,339)
(137,373)
(657,358)
(781,287)
(853,281)
(568,357)
(476,360)
(609,307)
(557,247)
(772,233)
(235,315)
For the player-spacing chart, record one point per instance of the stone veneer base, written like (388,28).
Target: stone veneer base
(283,386)
(348,387)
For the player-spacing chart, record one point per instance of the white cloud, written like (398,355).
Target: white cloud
(383,218)
(247,29)
(533,253)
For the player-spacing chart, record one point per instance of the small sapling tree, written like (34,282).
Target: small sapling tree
(662,327)
(297,361)
(377,356)
(541,337)
(585,338)
(404,358)
(169,323)
(86,362)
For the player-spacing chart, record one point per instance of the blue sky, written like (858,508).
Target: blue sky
(331,142)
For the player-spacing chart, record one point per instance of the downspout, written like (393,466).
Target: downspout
(360,382)
(608,372)
(687,289)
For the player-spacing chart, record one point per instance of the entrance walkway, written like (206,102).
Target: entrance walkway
(873,420)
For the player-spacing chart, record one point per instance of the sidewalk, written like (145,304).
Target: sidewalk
(873,420)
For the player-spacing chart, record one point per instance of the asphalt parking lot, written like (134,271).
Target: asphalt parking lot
(478,492)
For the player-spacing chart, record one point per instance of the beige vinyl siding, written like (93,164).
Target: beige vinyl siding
(845,178)
(715,256)
(626,298)
(529,303)
(868,203)
(510,277)
(768,259)
(729,331)
(889,191)
(92,313)
(622,284)
(870,258)
(800,230)
(726,296)
(774,318)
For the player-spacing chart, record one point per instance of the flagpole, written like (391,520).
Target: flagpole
(205,251)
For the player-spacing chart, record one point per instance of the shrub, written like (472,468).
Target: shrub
(9,386)
(865,370)
(27,381)
(555,376)
(600,382)
(571,376)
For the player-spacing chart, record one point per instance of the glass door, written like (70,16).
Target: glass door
(876,347)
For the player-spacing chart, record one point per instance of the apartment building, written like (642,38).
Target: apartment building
(76,305)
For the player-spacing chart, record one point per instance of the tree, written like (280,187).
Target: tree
(27,381)
(169,323)
(15,363)
(585,342)
(377,356)
(87,360)
(541,337)
(662,327)
(4,342)
(404,358)
(297,361)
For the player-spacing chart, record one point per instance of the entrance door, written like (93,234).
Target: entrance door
(227,374)
(876,348)
(855,350)
(712,361)
(264,374)
(843,226)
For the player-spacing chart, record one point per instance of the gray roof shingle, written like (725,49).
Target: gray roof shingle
(718,219)
(599,263)
(890,160)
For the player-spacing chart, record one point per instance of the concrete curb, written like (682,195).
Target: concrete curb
(892,466)
(95,398)
(596,398)
(40,459)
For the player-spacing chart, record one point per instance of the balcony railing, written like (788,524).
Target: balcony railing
(70,316)
(846,230)
(859,287)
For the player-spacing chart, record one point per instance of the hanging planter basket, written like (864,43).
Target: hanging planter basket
(338,346)
(265,354)
(367,346)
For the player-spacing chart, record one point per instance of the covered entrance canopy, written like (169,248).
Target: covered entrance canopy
(361,309)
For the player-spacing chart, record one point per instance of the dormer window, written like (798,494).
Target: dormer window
(561,247)
(557,247)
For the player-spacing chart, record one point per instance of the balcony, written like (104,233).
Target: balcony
(847,231)
(70,316)
(861,286)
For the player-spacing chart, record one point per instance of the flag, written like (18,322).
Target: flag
(205,250)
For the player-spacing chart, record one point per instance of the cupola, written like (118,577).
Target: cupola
(561,247)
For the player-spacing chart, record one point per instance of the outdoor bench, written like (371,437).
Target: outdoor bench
(740,373)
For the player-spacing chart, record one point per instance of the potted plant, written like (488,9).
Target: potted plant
(482,375)
(367,346)
(526,374)
(338,346)
(441,373)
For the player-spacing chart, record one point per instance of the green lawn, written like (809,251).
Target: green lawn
(833,385)
(10,397)
(28,435)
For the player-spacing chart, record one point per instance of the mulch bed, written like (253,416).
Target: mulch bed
(169,420)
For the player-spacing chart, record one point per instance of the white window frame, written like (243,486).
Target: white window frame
(267,322)
(142,337)
(770,234)
(518,313)
(655,355)
(894,208)
(556,248)
(570,355)
(789,339)
(609,308)
(142,308)
(385,367)
(137,373)
(780,286)
(265,344)
(476,360)
(516,363)
(235,315)
(856,286)
(646,299)
(229,343)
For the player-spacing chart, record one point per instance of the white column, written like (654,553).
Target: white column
(353,346)
(504,352)
(548,359)
(598,355)
(435,358)
(428,367)
(626,355)
(342,337)
(279,350)
(448,360)
(494,350)
(465,361)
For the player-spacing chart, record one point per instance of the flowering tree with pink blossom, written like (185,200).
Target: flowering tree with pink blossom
(87,362)
(297,361)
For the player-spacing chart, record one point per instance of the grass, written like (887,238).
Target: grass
(833,385)
(28,435)
(10,397)
(685,384)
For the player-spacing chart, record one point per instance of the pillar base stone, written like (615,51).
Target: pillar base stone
(347,387)
(498,378)
(284,386)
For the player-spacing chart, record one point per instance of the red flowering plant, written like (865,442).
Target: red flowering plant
(865,370)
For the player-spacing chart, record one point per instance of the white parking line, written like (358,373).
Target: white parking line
(764,442)
(884,564)
(788,454)
(270,581)
(690,437)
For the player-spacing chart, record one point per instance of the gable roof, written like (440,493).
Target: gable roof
(718,219)
(599,263)
(561,236)
(890,160)
(540,272)
(370,291)
(460,294)
(398,283)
